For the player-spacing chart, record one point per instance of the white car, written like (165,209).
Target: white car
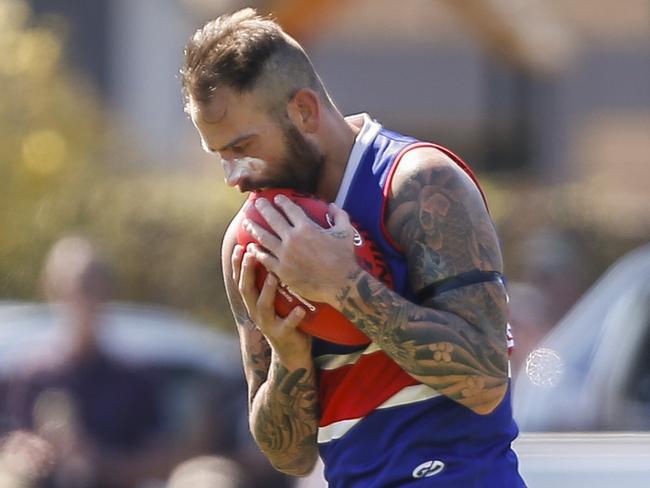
(592,372)
(137,333)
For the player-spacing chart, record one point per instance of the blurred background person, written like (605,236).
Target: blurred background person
(552,279)
(104,417)
(554,265)
(26,461)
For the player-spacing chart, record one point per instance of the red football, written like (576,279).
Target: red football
(321,319)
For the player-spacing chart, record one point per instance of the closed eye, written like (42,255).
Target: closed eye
(239,148)
(239,145)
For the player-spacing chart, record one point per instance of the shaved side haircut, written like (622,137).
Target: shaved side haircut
(247,52)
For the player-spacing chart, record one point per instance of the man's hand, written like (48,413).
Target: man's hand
(314,262)
(291,345)
(283,397)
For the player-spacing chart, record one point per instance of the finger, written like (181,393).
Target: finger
(247,287)
(295,214)
(266,300)
(263,236)
(235,261)
(276,220)
(294,318)
(268,260)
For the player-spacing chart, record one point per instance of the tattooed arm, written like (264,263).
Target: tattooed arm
(454,341)
(282,395)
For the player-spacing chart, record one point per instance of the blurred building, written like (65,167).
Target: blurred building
(508,84)
(556,92)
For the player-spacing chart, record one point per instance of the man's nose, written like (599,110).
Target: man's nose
(229,158)
(223,156)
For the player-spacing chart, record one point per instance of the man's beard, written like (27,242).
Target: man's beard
(300,169)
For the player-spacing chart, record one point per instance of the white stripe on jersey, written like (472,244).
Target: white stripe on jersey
(410,394)
(334,361)
(365,138)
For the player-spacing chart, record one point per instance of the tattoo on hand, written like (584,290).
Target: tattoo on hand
(339,234)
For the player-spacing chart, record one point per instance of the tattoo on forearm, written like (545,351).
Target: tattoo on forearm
(456,341)
(286,420)
(257,359)
(242,318)
(259,362)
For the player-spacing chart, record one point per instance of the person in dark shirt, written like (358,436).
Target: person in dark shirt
(103,416)
(112,404)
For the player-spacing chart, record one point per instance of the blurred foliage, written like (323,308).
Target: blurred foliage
(49,130)
(524,209)
(60,174)
(164,234)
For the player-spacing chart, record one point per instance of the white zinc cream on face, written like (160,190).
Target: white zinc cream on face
(237,168)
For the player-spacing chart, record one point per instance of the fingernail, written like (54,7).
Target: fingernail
(280,198)
(260,202)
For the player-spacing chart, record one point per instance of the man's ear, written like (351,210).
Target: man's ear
(304,110)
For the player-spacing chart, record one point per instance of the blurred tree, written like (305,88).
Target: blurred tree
(164,233)
(49,128)
(65,168)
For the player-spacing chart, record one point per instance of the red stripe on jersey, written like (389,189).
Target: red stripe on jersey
(353,391)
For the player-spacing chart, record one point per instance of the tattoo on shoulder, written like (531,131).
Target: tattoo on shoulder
(441,221)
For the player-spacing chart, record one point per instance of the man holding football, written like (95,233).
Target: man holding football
(426,402)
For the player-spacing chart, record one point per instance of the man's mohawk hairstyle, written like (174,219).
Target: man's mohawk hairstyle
(230,51)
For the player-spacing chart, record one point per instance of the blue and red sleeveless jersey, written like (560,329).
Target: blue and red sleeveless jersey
(379,426)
